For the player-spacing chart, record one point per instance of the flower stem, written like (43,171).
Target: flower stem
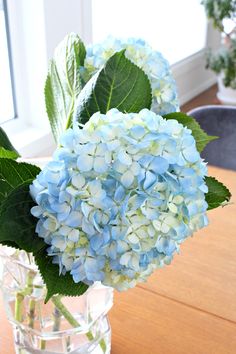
(74,323)
(28,291)
(42,344)
(20,296)
(57,319)
(31,312)
(19,307)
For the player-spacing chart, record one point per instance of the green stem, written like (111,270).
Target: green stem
(61,307)
(28,291)
(74,323)
(29,282)
(42,344)
(20,296)
(70,115)
(19,307)
(32,304)
(57,319)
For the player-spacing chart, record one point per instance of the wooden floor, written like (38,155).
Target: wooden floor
(205,98)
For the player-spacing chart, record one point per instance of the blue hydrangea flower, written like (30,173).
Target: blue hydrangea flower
(120,196)
(152,62)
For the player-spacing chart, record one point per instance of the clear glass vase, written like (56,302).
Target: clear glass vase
(63,325)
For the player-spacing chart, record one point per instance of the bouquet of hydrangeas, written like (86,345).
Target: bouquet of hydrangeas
(126,185)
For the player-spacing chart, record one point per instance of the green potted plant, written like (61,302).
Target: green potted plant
(223,61)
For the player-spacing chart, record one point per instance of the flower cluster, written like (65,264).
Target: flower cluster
(151,62)
(120,196)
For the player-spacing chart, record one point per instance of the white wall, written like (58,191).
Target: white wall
(36,27)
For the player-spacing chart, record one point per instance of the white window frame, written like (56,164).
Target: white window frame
(3,7)
(30,131)
(191,75)
(51,20)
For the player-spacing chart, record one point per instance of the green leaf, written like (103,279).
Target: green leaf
(218,194)
(17,225)
(13,174)
(10,244)
(6,146)
(120,84)
(64,83)
(202,138)
(57,283)
(7,154)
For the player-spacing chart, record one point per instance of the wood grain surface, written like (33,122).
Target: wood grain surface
(188,307)
(205,98)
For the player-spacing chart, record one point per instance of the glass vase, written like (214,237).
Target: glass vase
(63,325)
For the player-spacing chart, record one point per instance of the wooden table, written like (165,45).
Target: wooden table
(187,307)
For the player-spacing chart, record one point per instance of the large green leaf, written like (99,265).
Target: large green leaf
(202,138)
(7,150)
(57,284)
(7,154)
(17,225)
(64,83)
(10,244)
(218,194)
(13,174)
(120,84)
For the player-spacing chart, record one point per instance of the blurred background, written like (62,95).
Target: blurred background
(30,30)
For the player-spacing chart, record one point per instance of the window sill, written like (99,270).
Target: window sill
(30,141)
(192,77)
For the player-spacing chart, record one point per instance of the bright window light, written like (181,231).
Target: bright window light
(175,28)
(6,95)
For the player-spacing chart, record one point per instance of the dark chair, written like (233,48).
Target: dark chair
(220,121)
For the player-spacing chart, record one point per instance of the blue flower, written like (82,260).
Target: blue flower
(155,66)
(119,197)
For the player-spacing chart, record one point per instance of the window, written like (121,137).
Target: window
(175,28)
(7,109)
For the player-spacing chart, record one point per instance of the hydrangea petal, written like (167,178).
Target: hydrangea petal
(85,163)
(115,215)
